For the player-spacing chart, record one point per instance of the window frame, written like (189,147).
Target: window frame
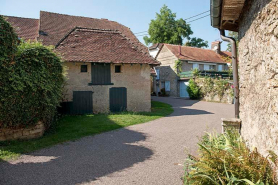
(86,68)
(167,82)
(221,67)
(116,68)
(196,66)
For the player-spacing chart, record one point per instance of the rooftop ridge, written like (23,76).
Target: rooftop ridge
(19,17)
(74,15)
(188,47)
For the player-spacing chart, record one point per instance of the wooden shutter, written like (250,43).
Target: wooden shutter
(101,74)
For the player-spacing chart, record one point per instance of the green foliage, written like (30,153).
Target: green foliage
(193,90)
(8,44)
(196,72)
(147,40)
(208,86)
(166,29)
(178,66)
(34,86)
(235,36)
(214,86)
(221,86)
(197,42)
(226,160)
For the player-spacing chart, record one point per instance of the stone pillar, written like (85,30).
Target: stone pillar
(230,123)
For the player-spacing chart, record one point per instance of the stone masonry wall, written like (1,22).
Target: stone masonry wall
(136,78)
(167,70)
(258,74)
(22,133)
(213,95)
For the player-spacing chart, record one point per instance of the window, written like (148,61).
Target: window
(195,66)
(206,67)
(167,85)
(101,74)
(84,69)
(118,69)
(157,74)
(220,68)
(211,67)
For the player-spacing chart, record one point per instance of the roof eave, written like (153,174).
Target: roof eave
(225,14)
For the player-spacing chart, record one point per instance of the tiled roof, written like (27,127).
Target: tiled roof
(154,46)
(55,26)
(99,45)
(25,27)
(197,54)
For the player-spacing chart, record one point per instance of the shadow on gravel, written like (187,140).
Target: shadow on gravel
(78,162)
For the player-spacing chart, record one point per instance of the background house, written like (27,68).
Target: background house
(257,26)
(108,68)
(191,58)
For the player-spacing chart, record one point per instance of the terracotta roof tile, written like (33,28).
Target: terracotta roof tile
(154,46)
(55,26)
(25,27)
(197,54)
(99,45)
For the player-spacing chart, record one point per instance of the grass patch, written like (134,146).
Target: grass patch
(69,128)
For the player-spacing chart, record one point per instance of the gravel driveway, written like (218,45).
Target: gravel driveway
(149,153)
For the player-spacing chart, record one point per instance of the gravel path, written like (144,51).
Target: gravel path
(149,153)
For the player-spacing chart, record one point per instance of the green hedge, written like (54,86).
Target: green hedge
(193,90)
(32,85)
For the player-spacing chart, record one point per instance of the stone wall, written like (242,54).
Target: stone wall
(22,133)
(136,78)
(258,74)
(213,96)
(167,70)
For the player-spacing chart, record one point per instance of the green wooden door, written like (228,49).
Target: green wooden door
(118,99)
(82,102)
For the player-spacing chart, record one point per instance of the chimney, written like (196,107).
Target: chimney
(216,46)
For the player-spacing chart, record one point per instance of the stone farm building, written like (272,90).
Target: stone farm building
(108,68)
(191,58)
(256,22)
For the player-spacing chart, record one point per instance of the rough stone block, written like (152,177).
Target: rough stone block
(230,123)
(17,134)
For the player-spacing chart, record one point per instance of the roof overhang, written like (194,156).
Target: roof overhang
(225,14)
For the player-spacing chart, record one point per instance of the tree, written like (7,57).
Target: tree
(197,42)
(235,36)
(166,29)
(31,81)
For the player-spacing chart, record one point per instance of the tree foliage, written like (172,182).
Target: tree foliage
(165,28)
(31,81)
(197,42)
(235,36)
(193,90)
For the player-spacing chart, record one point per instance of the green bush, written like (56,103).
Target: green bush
(32,87)
(8,43)
(225,159)
(193,90)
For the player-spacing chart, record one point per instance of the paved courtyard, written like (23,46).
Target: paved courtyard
(149,153)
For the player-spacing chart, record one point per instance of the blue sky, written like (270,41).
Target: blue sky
(135,14)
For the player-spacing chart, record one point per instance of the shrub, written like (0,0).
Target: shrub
(196,72)
(33,83)
(8,43)
(225,159)
(193,90)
